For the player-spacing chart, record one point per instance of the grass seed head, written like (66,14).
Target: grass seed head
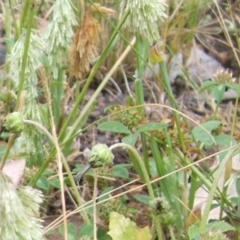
(84,49)
(223,76)
(18,209)
(144,17)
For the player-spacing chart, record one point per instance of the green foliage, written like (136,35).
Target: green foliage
(120,171)
(72,231)
(43,183)
(121,228)
(203,134)
(38,90)
(114,126)
(86,230)
(214,231)
(142,198)
(130,115)
(131,139)
(151,127)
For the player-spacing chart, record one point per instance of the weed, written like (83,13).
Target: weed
(88,45)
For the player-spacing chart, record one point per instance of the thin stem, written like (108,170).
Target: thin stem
(6,153)
(147,181)
(59,154)
(45,131)
(25,12)
(168,186)
(59,162)
(26,48)
(171,232)
(16,32)
(203,224)
(94,205)
(96,92)
(89,80)
(142,50)
(173,102)
(87,205)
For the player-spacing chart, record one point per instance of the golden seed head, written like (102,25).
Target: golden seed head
(223,76)
(84,49)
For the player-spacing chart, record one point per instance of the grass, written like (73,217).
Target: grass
(45,72)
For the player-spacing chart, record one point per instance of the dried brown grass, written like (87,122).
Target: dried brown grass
(84,49)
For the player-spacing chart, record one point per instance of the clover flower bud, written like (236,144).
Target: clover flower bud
(100,156)
(13,122)
(161,207)
(223,76)
(7,96)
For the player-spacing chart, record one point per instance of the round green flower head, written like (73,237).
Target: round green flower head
(161,207)
(100,156)
(13,122)
(7,96)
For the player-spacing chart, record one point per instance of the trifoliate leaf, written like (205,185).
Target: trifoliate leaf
(131,139)
(203,133)
(114,126)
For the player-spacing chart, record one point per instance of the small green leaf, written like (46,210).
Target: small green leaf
(102,234)
(131,139)
(208,85)
(5,135)
(202,133)
(223,153)
(55,182)
(43,183)
(194,232)
(86,230)
(71,231)
(78,168)
(224,139)
(114,126)
(89,207)
(218,92)
(48,172)
(120,171)
(142,198)
(152,126)
(104,194)
(122,228)
(235,87)
(220,225)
